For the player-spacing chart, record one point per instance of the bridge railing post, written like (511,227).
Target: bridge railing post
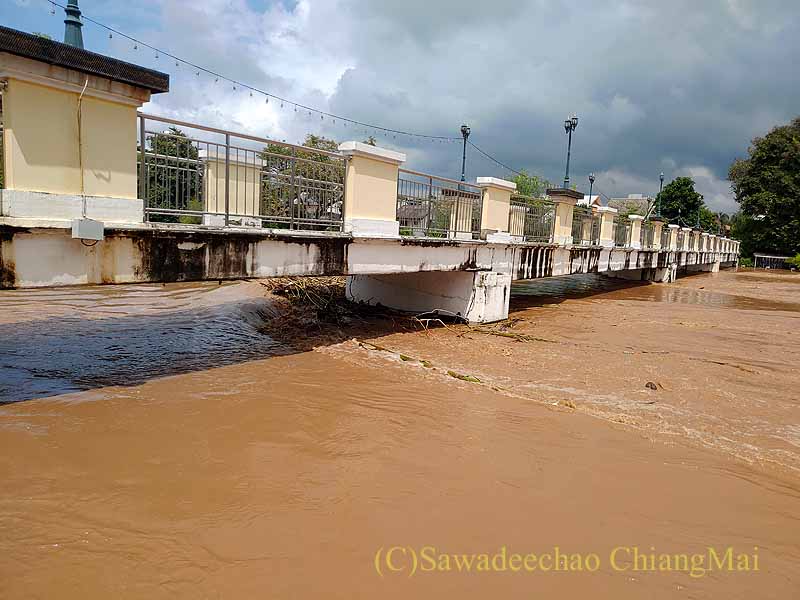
(673,237)
(607,225)
(687,233)
(658,226)
(564,200)
(370,202)
(495,208)
(636,231)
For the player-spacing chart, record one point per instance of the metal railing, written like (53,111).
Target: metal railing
(531,218)
(585,227)
(193,174)
(647,235)
(429,206)
(665,238)
(622,232)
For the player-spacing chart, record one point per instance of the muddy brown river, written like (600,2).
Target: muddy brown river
(156,442)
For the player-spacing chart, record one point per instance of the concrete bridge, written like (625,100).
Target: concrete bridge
(117,196)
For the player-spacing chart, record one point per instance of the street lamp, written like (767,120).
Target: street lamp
(570,125)
(465,134)
(660,189)
(591,185)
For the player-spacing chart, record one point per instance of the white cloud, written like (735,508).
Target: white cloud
(657,86)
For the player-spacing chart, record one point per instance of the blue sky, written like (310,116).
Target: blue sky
(679,86)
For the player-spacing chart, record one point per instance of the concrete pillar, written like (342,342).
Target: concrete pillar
(687,233)
(244,187)
(496,207)
(673,237)
(636,230)
(696,240)
(658,226)
(564,200)
(704,242)
(370,204)
(607,215)
(477,296)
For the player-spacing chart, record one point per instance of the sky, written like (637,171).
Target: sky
(658,85)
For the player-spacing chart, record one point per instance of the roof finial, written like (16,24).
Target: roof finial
(72,25)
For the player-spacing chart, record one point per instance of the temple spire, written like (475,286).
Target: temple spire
(72,25)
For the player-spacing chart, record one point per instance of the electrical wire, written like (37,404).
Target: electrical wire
(238,84)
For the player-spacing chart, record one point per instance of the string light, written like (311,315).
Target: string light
(386,131)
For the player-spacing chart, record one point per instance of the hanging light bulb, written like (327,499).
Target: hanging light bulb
(110,36)
(135,46)
(156,55)
(267,100)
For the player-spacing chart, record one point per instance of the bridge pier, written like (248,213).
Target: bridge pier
(477,296)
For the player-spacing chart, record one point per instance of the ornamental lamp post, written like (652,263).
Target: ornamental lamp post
(465,131)
(591,185)
(658,198)
(570,125)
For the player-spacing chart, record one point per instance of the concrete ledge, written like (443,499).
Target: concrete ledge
(62,207)
(483,182)
(374,152)
(372,228)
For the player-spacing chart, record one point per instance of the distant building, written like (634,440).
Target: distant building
(634,204)
(587,200)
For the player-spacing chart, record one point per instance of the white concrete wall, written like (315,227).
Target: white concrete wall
(478,297)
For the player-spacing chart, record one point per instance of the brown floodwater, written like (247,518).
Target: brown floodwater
(168,448)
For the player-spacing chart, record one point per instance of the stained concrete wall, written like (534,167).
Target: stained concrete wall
(33,257)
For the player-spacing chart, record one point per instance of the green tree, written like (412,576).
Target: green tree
(679,198)
(371,141)
(530,185)
(767,187)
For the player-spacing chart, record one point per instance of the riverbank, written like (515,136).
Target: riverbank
(284,475)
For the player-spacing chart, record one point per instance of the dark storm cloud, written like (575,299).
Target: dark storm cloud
(667,86)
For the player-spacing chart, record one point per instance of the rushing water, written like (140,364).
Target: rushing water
(71,339)
(253,471)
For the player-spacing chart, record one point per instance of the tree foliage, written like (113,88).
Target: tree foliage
(530,185)
(680,200)
(767,187)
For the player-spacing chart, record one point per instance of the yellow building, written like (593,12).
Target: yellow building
(69,124)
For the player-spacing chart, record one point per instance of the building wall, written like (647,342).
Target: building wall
(42,149)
